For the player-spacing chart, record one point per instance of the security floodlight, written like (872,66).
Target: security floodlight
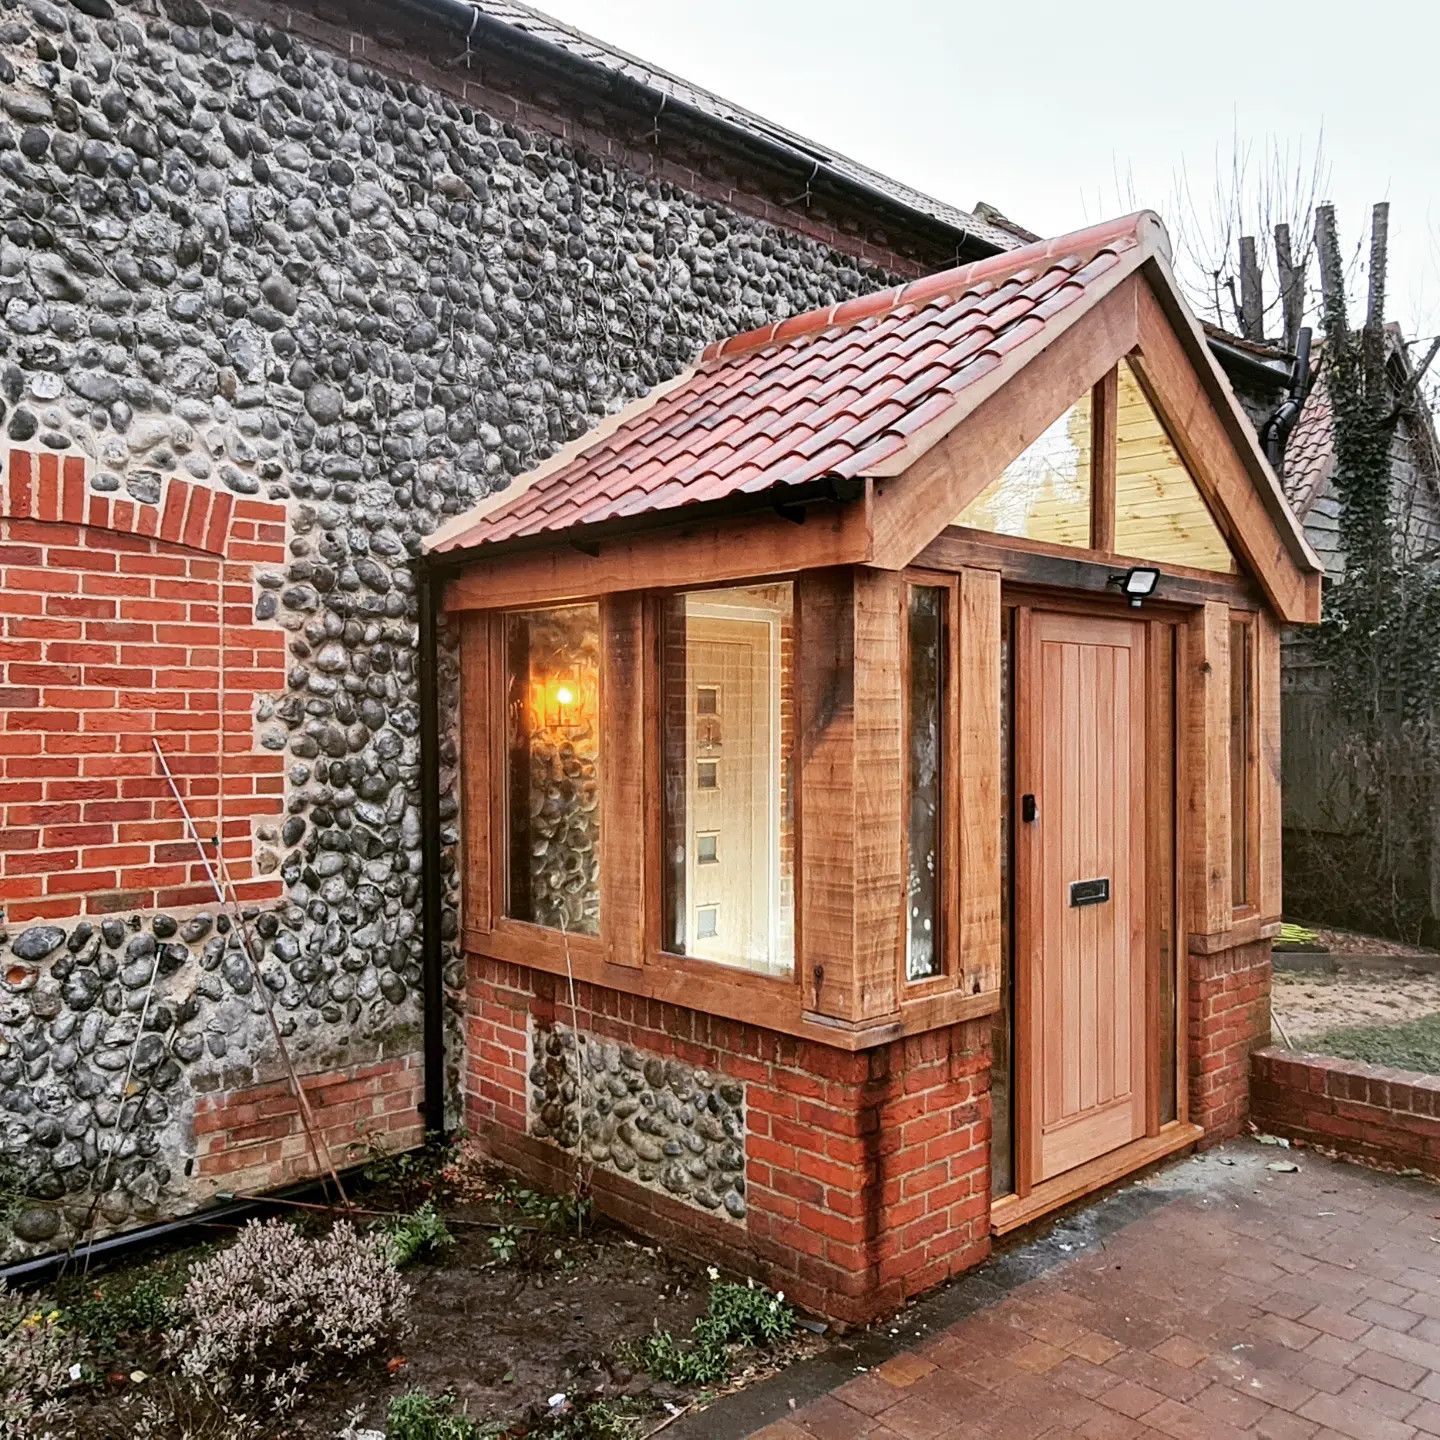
(1137,584)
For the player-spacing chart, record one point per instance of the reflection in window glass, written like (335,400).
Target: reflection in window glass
(553,821)
(727,702)
(1160,514)
(1240,662)
(923,956)
(1002,1096)
(1044,494)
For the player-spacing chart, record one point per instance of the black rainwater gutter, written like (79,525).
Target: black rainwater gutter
(474,26)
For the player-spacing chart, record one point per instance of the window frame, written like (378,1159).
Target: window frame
(948,888)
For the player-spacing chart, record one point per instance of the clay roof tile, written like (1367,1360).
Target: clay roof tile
(841,390)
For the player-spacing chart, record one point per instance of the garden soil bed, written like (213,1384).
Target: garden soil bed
(502,1339)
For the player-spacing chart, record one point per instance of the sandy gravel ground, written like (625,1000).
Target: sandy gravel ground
(1306,1004)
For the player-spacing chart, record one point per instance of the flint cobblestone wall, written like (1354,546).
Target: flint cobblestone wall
(246,262)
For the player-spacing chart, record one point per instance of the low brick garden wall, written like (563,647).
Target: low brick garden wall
(1383,1117)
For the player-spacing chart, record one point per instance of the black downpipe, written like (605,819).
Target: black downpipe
(475,25)
(1277,428)
(432,881)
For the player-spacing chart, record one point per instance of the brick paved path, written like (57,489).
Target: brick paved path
(1244,1302)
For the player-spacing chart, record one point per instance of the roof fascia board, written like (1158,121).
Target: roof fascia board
(1009,410)
(675,557)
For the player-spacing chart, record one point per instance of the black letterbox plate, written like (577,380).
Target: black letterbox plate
(1089,892)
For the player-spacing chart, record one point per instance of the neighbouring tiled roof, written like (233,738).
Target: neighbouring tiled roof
(1310,450)
(606,57)
(858,389)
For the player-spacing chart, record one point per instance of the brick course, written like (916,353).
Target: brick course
(867,1174)
(125,623)
(1381,1116)
(1229,1018)
(251,1139)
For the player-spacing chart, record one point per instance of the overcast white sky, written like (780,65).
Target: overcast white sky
(1058,112)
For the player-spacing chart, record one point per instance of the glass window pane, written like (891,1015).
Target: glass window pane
(553,819)
(1160,514)
(727,706)
(1239,762)
(1002,1099)
(1044,494)
(924,710)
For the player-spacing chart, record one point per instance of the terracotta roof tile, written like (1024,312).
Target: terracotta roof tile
(839,391)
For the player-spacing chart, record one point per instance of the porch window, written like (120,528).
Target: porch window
(727,707)
(1043,494)
(552,660)
(1241,745)
(924,721)
(1160,514)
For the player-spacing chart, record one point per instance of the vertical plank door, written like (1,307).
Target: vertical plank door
(1081,889)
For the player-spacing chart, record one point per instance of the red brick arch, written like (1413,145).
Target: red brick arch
(122,623)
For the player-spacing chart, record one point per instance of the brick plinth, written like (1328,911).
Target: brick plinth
(252,1139)
(1371,1113)
(867,1174)
(1229,1018)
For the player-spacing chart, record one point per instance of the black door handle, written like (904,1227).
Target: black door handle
(1029,810)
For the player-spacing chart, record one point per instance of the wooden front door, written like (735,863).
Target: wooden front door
(1080,893)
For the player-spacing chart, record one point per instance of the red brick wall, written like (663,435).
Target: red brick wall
(120,624)
(1382,1117)
(867,1175)
(1229,1017)
(251,1139)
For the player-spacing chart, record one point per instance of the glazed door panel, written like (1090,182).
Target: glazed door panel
(1082,888)
(731,777)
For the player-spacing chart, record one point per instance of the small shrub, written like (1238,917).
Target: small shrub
(737,1315)
(597,1421)
(559,1214)
(505,1244)
(409,1174)
(35,1360)
(418,1415)
(110,1312)
(746,1315)
(468,1176)
(416,1234)
(276,1302)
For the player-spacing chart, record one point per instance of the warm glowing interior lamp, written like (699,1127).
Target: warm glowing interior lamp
(564,695)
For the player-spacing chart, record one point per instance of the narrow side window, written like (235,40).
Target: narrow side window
(552,679)
(924,742)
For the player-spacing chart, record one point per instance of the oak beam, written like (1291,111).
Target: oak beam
(741,548)
(976,760)
(1206,715)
